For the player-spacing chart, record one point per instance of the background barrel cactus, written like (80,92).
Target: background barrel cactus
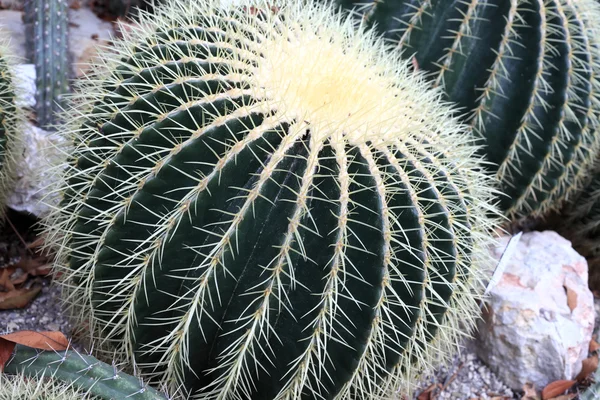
(47,45)
(525,74)
(11,120)
(263,202)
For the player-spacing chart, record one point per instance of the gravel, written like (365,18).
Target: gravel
(42,314)
(466,378)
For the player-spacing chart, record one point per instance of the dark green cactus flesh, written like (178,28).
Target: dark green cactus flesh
(79,374)
(526,76)
(263,203)
(47,27)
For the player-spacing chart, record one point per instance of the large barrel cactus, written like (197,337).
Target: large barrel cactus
(525,74)
(264,202)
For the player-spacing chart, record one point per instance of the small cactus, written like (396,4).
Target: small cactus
(47,27)
(526,75)
(22,387)
(69,374)
(263,203)
(11,124)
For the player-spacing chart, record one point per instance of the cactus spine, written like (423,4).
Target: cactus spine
(11,124)
(47,32)
(524,72)
(70,375)
(264,203)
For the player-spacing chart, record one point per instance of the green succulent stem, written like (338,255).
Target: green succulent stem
(47,27)
(82,372)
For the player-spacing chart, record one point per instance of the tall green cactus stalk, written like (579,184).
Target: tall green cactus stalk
(263,203)
(11,123)
(68,375)
(47,25)
(526,76)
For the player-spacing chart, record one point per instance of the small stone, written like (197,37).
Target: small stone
(11,327)
(539,318)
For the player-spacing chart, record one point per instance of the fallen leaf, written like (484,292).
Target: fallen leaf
(556,388)
(588,367)
(594,345)
(28,264)
(529,392)
(6,349)
(569,396)
(17,276)
(5,281)
(571,298)
(427,393)
(18,298)
(47,340)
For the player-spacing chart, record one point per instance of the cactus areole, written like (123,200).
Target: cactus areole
(525,74)
(263,203)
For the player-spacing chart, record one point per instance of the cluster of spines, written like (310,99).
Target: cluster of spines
(22,387)
(47,24)
(70,373)
(11,123)
(486,55)
(179,113)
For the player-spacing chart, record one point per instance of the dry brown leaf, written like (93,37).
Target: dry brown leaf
(38,242)
(569,396)
(47,340)
(588,367)
(18,298)
(6,349)
(571,298)
(30,265)
(556,388)
(38,340)
(427,393)
(529,392)
(5,281)
(594,345)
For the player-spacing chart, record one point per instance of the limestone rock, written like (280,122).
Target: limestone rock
(11,26)
(35,180)
(25,74)
(87,32)
(540,316)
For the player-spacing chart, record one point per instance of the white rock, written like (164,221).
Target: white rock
(35,179)
(540,317)
(26,83)
(86,33)
(12,28)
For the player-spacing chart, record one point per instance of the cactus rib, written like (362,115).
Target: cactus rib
(263,203)
(524,73)
(80,372)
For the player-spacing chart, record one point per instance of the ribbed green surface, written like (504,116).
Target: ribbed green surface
(228,245)
(47,28)
(81,372)
(8,112)
(11,129)
(525,74)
